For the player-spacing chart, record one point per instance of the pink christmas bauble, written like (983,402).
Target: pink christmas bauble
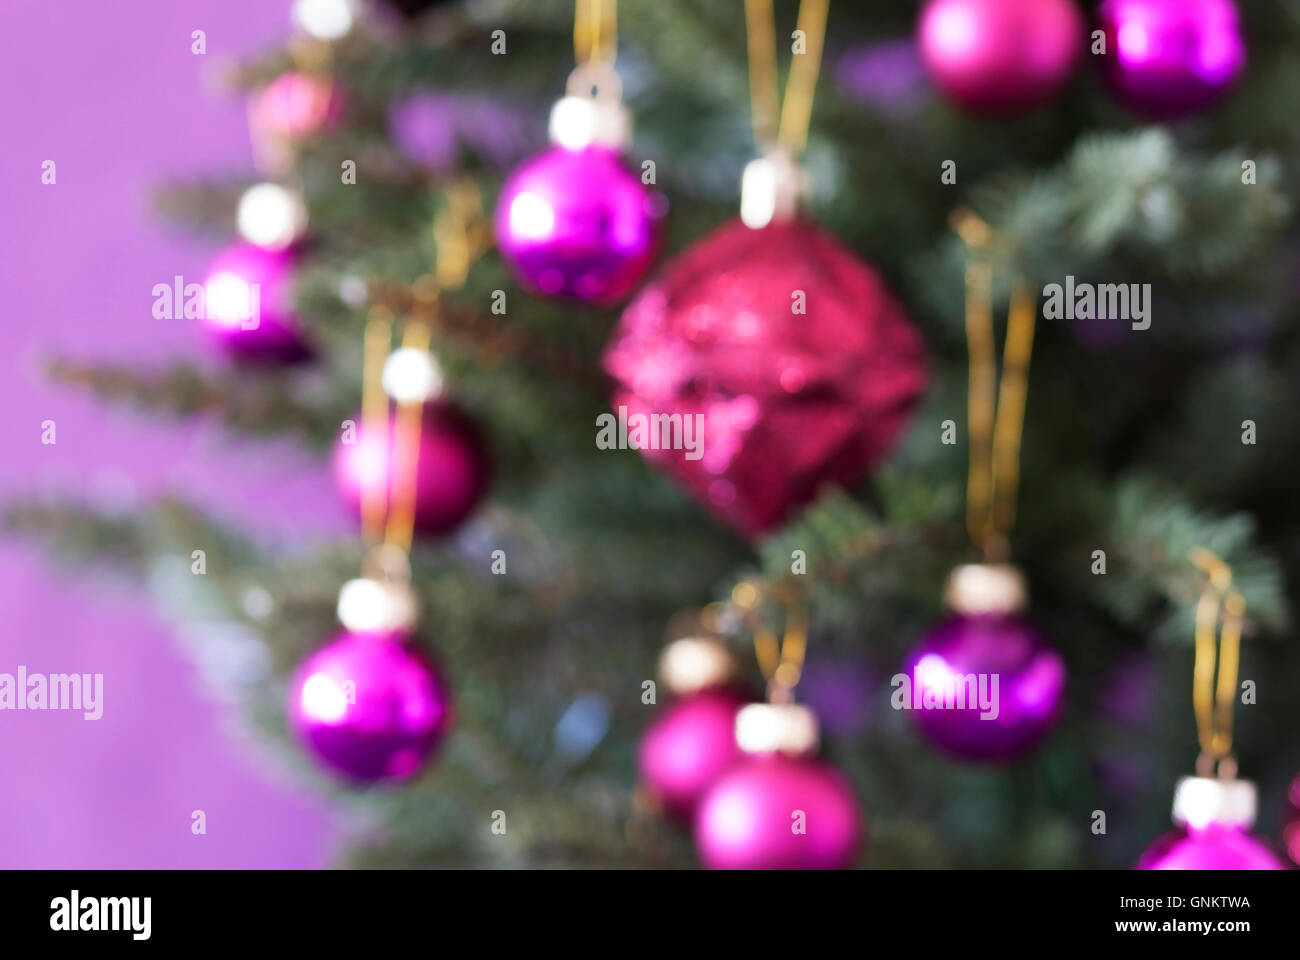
(985,687)
(1001,56)
(776,812)
(451,469)
(247,310)
(1291,822)
(1213,847)
(1168,58)
(579,224)
(295,105)
(785,350)
(369,706)
(688,746)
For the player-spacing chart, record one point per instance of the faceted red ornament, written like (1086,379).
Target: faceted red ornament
(1291,821)
(785,349)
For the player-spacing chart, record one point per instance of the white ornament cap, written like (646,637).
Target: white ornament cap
(770,189)
(591,112)
(692,664)
(578,122)
(271,216)
(324,19)
(788,728)
(376,606)
(1200,801)
(412,376)
(977,588)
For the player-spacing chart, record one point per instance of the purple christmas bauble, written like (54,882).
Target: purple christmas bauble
(579,224)
(1001,56)
(777,812)
(369,706)
(688,746)
(246,309)
(451,470)
(1167,58)
(1212,847)
(985,687)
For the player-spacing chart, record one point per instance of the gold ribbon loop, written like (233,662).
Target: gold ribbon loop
(781,661)
(595,31)
(388,515)
(787,127)
(995,411)
(1213,702)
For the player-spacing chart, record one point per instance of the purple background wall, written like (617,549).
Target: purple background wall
(112,94)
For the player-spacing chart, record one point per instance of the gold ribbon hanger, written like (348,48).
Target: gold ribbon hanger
(781,661)
(595,31)
(388,519)
(785,127)
(995,411)
(1211,702)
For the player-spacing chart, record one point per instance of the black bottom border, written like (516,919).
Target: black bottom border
(945,909)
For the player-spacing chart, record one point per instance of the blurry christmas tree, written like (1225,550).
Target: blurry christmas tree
(1133,438)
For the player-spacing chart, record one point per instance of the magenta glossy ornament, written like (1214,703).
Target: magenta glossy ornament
(1215,847)
(577,223)
(687,747)
(985,686)
(746,820)
(369,706)
(1169,58)
(1001,56)
(452,469)
(1212,816)
(779,807)
(789,352)
(247,311)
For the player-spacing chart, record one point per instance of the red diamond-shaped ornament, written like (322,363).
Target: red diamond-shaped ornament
(801,364)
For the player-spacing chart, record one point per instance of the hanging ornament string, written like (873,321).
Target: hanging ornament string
(406,453)
(595,45)
(461,233)
(374,414)
(1213,703)
(995,412)
(388,517)
(781,661)
(388,522)
(595,31)
(788,128)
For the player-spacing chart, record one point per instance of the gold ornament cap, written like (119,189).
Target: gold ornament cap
(691,664)
(788,728)
(1200,801)
(981,588)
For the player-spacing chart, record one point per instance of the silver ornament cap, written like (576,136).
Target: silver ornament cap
(691,664)
(271,216)
(368,605)
(1200,801)
(412,376)
(770,189)
(592,111)
(986,588)
(788,728)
